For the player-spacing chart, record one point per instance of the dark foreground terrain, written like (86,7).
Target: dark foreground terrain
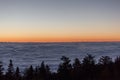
(87,69)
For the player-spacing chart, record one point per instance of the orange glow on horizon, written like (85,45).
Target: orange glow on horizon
(65,39)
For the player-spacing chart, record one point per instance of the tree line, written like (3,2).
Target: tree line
(86,69)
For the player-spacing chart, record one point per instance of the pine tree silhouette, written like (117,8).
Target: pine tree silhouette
(117,68)
(1,71)
(88,67)
(29,73)
(10,72)
(17,74)
(65,69)
(105,69)
(77,70)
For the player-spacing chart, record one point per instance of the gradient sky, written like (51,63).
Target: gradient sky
(59,20)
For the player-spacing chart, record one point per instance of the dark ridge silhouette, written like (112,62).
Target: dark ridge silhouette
(87,69)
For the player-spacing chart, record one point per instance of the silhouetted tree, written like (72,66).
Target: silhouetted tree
(48,73)
(64,70)
(1,71)
(10,71)
(29,73)
(117,68)
(88,67)
(77,70)
(42,71)
(106,67)
(105,60)
(17,74)
(36,73)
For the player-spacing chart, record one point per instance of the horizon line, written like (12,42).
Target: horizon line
(53,41)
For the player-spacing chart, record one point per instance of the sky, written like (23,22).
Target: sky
(59,20)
